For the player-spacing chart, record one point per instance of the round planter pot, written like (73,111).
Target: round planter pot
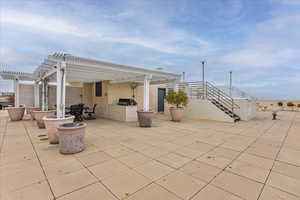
(52,123)
(176,114)
(145,118)
(15,113)
(39,115)
(71,137)
(30,111)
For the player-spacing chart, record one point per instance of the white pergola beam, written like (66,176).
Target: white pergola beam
(49,73)
(60,89)
(17,92)
(147,80)
(36,94)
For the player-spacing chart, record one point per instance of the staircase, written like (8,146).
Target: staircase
(207,91)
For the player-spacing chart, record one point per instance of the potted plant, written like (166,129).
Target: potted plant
(30,111)
(39,115)
(15,113)
(298,107)
(52,123)
(178,101)
(145,118)
(71,137)
(280,104)
(291,105)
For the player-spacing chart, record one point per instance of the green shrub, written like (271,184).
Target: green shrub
(280,103)
(179,99)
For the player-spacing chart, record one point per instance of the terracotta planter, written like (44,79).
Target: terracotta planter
(39,115)
(30,111)
(15,113)
(176,114)
(145,118)
(71,137)
(52,123)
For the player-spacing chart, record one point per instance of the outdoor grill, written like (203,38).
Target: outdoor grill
(127,102)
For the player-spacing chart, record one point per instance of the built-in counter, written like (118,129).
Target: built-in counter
(118,112)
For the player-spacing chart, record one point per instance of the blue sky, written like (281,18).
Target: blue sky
(257,39)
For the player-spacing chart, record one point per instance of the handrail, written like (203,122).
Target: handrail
(209,91)
(218,95)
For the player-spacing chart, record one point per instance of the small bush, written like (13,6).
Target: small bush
(179,99)
(298,105)
(280,103)
(290,104)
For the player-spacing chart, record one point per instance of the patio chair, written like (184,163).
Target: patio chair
(77,111)
(91,113)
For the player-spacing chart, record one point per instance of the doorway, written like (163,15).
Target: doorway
(161,93)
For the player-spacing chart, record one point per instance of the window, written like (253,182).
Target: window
(98,89)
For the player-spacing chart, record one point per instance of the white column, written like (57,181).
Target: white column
(60,89)
(36,94)
(46,94)
(175,85)
(43,96)
(17,92)
(147,80)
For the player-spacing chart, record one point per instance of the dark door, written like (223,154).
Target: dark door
(161,93)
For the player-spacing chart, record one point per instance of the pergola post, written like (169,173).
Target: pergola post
(36,94)
(147,81)
(60,89)
(17,92)
(44,95)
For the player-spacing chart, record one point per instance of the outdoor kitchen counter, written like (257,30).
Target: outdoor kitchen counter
(118,112)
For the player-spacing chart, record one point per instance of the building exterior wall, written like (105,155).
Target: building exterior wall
(203,109)
(26,94)
(247,110)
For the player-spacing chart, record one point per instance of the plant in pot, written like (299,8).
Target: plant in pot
(280,104)
(145,118)
(291,105)
(298,107)
(39,115)
(15,113)
(71,137)
(52,123)
(30,110)
(178,101)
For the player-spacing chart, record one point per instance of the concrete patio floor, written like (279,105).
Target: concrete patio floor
(198,160)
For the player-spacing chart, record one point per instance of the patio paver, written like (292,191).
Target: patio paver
(254,160)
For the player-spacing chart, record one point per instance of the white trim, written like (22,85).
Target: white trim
(17,92)
(147,80)
(60,89)
(36,88)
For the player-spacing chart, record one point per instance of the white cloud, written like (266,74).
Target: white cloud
(162,38)
(272,43)
(40,23)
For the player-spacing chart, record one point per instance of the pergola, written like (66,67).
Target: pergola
(62,68)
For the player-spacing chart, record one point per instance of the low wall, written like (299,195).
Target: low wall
(247,110)
(204,109)
(116,112)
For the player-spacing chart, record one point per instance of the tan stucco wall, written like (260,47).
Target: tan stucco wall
(113,91)
(87,96)
(247,110)
(26,94)
(203,109)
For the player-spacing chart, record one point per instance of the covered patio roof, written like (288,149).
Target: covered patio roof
(63,68)
(79,69)
(8,75)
